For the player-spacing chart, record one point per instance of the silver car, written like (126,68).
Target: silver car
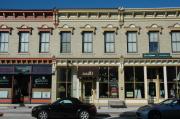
(168,109)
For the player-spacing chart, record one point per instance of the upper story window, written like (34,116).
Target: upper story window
(65,42)
(132,42)
(44,42)
(4,39)
(109,38)
(24,42)
(153,41)
(175,39)
(87,42)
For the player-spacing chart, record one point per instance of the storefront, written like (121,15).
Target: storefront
(90,84)
(131,80)
(151,83)
(25,83)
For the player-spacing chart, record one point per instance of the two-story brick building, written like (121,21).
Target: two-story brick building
(95,55)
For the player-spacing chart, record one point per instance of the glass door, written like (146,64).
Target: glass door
(153,91)
(87,91)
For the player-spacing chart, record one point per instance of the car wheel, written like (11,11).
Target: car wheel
(84,115)
(154,115)
(43,115)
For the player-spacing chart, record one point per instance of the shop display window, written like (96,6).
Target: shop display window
(134,82)
(64,83)
(108,82)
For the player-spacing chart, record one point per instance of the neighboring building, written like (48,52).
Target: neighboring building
(95,55)
(25,61)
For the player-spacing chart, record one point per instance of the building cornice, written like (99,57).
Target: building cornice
(16,15)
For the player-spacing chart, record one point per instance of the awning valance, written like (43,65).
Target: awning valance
(6,69)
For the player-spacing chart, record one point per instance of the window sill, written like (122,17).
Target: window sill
(23,53)
(175,53)
(110,53)
(87,54)
(108,98)
(65,53)
(4,53)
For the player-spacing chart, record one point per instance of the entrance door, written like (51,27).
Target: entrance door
(87,91)
(153,91)
(21,85)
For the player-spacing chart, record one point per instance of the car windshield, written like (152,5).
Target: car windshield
(168,101)
(76,101)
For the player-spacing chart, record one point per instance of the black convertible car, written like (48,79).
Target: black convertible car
(65,108)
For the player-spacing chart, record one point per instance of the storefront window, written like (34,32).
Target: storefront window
(64,83)
(41,81)
(41,86)
(108,82)
(134,82)
(5,85)
(173,75)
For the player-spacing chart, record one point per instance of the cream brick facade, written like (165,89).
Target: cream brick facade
(98,21)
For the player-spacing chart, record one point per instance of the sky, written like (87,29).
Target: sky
(50,4)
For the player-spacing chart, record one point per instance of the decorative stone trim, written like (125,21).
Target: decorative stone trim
(66,28)
(132,27)
(154,27)
(88,28)
(175,27)
(5,28)
(110,28)
(25,28)
(45,28)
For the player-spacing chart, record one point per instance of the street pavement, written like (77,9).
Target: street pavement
(103,113)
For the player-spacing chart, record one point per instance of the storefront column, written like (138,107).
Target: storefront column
(145,82)
(121,83)
(97,90)
(54,87)
(75,83)
(165,82)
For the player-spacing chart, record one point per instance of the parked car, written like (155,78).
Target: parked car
(65,108)
(168,109)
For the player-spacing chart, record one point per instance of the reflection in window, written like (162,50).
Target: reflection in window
(87,42)
(44,42)
(108,82)
(4,39)
(153,41)
(109,42)
(134,82)
(175,36)
(24,42)
(65,42)
(173,75)
(132,42)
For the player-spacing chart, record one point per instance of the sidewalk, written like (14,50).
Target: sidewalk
(117,110)
(130,111)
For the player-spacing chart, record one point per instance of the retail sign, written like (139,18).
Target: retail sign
(157,55)
(41,81)
(5,82)
(84,72)
(23,69)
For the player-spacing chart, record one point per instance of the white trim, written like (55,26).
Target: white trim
(165,82)
(145,82)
